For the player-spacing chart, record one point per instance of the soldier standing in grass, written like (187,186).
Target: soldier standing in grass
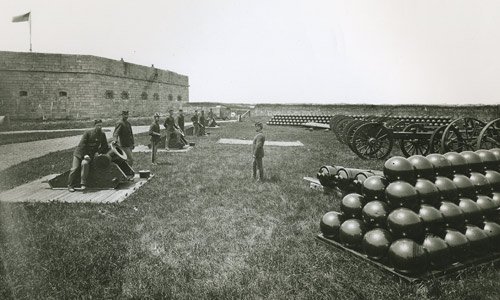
(154,132)
(92,142)
(124,136)
(201,122)
(170,127)
(258,152)
(210,114)
(196,126)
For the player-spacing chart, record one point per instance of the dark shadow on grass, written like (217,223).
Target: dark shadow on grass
(273,178)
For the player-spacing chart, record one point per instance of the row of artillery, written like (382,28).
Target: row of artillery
(373,137)
(420,214)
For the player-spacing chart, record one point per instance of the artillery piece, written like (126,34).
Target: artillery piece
(373,137)
(106,171)
(347,180)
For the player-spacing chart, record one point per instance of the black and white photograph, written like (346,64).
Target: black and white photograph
(237,149)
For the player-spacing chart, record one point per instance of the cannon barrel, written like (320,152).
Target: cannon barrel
(347,180)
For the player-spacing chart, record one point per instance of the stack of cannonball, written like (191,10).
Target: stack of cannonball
(425,213)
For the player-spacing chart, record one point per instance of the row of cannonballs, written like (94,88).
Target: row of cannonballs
(298,119)
(425,212)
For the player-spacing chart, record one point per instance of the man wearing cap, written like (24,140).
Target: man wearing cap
(124,137)
(211,119)
(210,114)
(258,152)
(180,120)
(154,132)
(169,125)
(92,142)
(202,121)
(196,125)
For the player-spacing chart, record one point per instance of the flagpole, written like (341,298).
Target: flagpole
(30,31)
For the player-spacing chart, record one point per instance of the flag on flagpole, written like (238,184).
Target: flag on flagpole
(21,18)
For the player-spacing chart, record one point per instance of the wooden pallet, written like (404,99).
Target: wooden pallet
(40,191)
(267,143)
(144,148)
(493,258)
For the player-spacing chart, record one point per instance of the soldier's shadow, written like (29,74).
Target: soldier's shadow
(273,178)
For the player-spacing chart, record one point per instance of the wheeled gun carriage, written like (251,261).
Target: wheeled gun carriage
(106,171)
(373,137)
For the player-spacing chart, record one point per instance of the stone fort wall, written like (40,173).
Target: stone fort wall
(61,86)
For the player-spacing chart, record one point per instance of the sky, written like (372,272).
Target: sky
(274,51)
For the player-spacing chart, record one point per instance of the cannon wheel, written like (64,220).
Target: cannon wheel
(461,134)
(334,120)
(489,137)
(372,141)
(339,125)
(333,123)
(413,146)
(349,131)
(435,141)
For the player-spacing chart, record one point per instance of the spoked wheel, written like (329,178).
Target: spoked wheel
(435,141)
(372,141)
(461,134)
(349,131)
(489,137)
(414,144)
(334,121)
(341,124)
(345,126)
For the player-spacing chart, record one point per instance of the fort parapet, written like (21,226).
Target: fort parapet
(63,86)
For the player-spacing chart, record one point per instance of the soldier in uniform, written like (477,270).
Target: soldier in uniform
(169,125)
(258,152)
(196,125)
(92,142)
(180,120)
(154,132)
(210,114)
(211,119)
(202,124)
(124,136)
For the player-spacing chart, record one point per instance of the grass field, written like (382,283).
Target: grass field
(202,229)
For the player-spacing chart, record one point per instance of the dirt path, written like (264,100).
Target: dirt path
(13,154)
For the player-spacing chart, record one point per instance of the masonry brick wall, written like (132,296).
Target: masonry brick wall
(60,86)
